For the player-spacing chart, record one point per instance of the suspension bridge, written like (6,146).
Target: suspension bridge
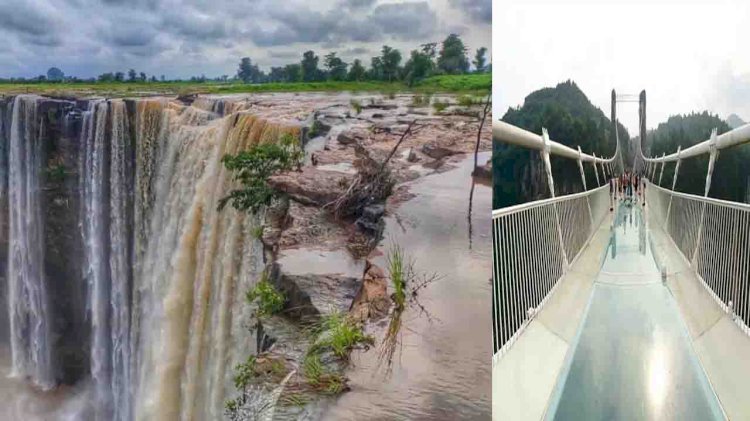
(607,307)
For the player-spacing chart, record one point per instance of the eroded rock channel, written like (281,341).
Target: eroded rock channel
(125,282)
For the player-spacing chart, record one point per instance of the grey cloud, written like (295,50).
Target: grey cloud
(406,21)
(479,10)
(101,35)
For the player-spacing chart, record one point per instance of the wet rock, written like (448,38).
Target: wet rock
(412,156)
(372,301)
(310,296)
(311,186)
(483,171)
(373,212)
(381,106)
(346,139)
(187,99)
(436,151)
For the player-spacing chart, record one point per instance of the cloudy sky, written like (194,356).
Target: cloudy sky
(182,38)
(687,57)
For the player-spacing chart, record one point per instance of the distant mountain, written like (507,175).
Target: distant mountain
(731,172)
(735,121)
(571,119)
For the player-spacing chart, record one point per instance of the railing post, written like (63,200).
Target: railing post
(714,153)
(583,179)
(662,167)
(551,184)
(674,184)
(596,170)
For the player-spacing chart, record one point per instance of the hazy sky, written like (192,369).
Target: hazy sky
(688,57)
(182,38)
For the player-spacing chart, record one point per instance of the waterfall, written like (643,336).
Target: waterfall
(28,300)
(106,178)
(165,271)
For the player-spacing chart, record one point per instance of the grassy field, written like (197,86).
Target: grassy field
(477,84)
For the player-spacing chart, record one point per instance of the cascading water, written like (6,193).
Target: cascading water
(165,271)
(28,300)
(106,176)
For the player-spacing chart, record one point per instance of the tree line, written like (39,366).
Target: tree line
(452,57)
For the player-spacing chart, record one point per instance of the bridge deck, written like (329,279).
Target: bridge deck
(613,342)
(632,358)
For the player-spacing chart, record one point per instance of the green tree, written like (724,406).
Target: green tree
(247,71)
(142,77)
(418,67)
(310,71)
(390,59)
(357,71)
(131,75)
(480,59)
(293,72)
(376,68)
(452,58)
(336,67)
(119,77)
(55,75)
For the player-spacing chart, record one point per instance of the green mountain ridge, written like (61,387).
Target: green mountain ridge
(571,119)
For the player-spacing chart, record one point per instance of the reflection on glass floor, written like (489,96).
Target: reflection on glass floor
(632,359)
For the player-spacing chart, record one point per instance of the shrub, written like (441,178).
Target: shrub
(270,301)
(356,105)
(244,372)
(253,167)
(440,106)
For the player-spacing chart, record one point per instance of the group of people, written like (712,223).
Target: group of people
(626,186)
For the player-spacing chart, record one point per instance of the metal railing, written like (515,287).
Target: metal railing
(713,236)
(535,243)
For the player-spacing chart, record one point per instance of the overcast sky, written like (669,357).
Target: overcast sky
(182,38)
(688,57)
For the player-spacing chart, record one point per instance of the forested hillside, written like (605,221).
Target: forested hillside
(730,179)
(571,119)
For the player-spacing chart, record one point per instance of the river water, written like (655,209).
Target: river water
(442,371)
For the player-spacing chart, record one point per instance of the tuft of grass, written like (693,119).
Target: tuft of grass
(294,399)
(468,101)
(315,129)
(312,367)
(356,105)
(343,334)
(257,232)
(440,106)
(397,267)
(319,378)
(419,101)
(270,301)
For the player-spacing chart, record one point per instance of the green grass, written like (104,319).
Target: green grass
(257,232)
(397,269)
(440,106)
(471,83)
(270,301)
(356,105)
(342,334)
(319,378)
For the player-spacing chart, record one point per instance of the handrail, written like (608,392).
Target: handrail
(530,205)
(726,140)
(712,237)
(508,133)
